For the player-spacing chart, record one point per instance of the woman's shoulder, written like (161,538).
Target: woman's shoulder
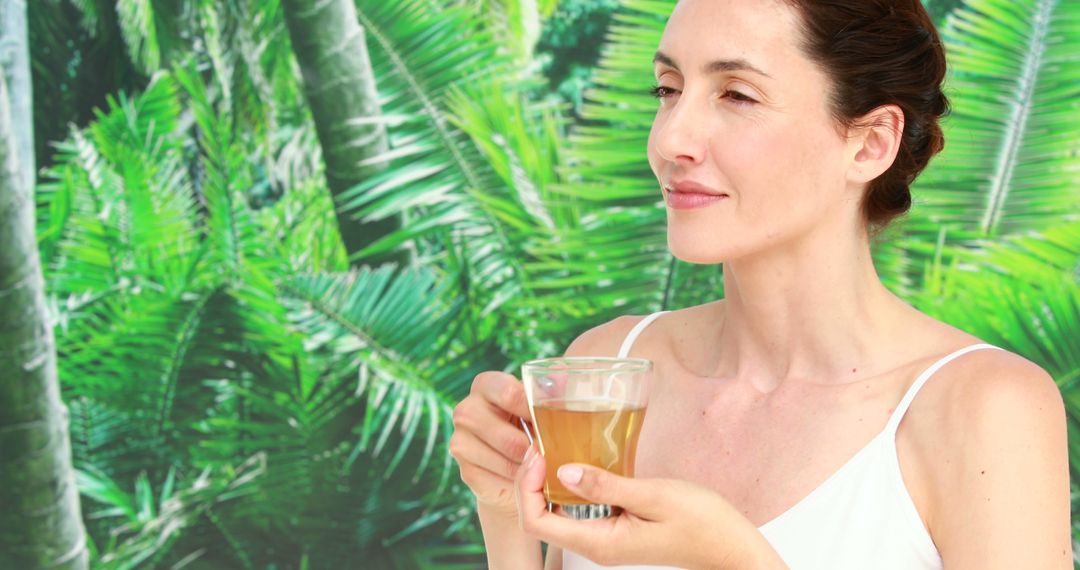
(978,383)
(987,388)
(988,436)
(979,377)
(606,338)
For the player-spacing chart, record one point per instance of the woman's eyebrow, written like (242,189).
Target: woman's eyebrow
(714,66)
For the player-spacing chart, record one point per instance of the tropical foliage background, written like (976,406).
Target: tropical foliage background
(274,264)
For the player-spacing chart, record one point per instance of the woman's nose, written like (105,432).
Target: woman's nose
(680,134)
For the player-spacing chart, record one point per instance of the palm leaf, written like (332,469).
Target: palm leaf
(148,538)
(139,28)
(140,364)
(464,157)
(235,245)
(414,72)
(438,177)
(411,372)
(1011,160)
(119,203)
(180,355)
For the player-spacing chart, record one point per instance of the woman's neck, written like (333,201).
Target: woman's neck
(811,312)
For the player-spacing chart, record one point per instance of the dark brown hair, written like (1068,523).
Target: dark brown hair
(880,52)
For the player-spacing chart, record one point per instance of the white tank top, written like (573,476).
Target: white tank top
(861,517)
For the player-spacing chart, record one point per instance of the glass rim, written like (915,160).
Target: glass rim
(546,364)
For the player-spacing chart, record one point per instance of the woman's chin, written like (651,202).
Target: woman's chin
(696,254)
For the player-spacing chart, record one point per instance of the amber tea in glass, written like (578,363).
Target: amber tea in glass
(586,410)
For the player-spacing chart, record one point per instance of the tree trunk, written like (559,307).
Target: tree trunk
(339,84)
(15,61)
(40,523)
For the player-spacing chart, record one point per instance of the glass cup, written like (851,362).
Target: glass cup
(586,410)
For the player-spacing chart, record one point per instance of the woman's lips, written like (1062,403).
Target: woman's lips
(693,200)
(689,195)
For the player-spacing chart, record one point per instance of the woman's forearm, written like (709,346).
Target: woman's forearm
(756,554)
(508,547)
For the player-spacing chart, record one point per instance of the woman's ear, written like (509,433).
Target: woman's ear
(875,142)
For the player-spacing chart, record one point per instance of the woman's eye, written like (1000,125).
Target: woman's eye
(739,98)
(660,92)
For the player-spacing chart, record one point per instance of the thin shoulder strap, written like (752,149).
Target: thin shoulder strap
(901,408)
(634,332)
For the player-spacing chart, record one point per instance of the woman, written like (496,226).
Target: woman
(811,419)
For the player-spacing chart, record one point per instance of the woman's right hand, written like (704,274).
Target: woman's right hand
(488,441)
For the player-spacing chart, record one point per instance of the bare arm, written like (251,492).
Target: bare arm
(554,558)
(1002,498)
(507,545)
(489,444)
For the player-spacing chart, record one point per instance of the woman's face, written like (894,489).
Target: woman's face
(756,128)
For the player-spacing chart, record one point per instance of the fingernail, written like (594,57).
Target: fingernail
(528,455)
(570,474)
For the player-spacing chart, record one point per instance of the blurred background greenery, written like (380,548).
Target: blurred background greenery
(280,237)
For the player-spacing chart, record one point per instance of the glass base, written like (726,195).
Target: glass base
(584,512)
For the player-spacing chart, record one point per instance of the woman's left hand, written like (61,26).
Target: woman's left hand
(664,522)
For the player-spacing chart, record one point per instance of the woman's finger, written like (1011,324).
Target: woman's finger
(504,392)
(642,497)
(579,536)
(482,419)
(530,484)
(488,487)
(466,446)
(508,439)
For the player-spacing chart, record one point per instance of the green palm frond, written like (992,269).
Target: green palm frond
(567,253)
(156,525)
(414,72)
(139,28)
(139,507)
(394,329)
(463,156)
(617,263)
(181,353)
(1012,155)
(92,12)
(516,23)
(335,490)
(608,152)
(117,209)
(302,225)
(78,58)
(139,364)
(431,163)
(235,246)
(1021,293)
(103,438)
(251,63)
(519,141)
